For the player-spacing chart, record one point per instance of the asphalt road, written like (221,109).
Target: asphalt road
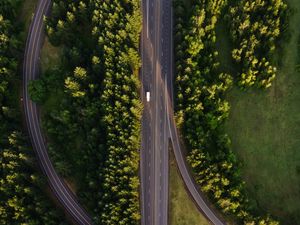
(30,72)
(158,124)
(154,149)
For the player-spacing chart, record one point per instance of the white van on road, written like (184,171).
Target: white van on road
(148,96)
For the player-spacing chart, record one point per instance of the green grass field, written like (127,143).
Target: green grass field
(264,127)
(50,55)
(181,208)
(27,11)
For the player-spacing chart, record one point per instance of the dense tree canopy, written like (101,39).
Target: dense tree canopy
(22,200)
(255,26)
(202,110)
(100,105)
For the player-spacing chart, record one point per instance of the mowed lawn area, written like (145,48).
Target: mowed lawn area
(51,57)
(264,127)
(182,209)
(27,13)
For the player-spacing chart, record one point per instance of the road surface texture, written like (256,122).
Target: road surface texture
(158,124)
(158,120)
(154,149)
(30,72)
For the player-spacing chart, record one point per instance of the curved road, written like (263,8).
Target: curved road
(184,169)
(158,124)
(30,72)
(157,46)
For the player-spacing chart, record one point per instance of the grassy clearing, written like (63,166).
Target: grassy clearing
(224,47)
(27,13)
(182,209)
(264,127)
(70,154)
(50,55)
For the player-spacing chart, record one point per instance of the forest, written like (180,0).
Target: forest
(91,109)
(201,86)
(22,196)
(94,128)
(255,27)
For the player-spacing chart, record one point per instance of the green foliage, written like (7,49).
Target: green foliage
(255,27)
(202,110)
(37,90)
(22,199)
(9,8)
(122,110)
(298,59)
(100,107)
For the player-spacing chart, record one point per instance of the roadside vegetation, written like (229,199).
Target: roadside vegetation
(182,209)
(254,28)
(202,86)
(22,196)
(264,127)
(90,103)
(26,14)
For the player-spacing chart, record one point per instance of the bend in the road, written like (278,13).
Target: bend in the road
(190,184)
(30,71)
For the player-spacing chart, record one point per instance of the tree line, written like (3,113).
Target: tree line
(201,109)
(99,109)
(22,196)
(255,27)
